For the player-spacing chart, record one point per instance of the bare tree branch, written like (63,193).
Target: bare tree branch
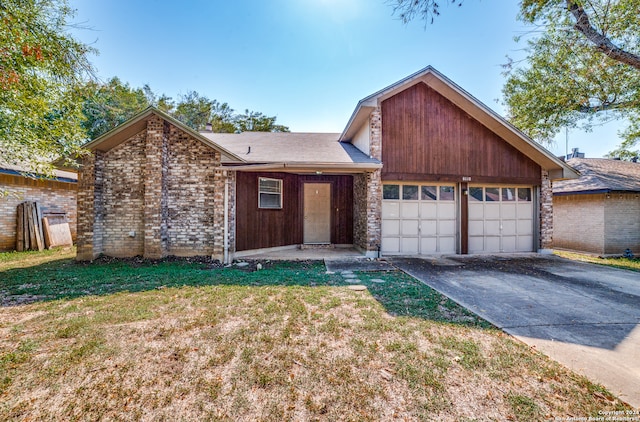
(602,43)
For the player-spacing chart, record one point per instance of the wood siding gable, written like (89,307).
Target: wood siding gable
(427,137)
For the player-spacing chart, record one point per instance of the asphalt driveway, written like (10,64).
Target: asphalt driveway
(585,316)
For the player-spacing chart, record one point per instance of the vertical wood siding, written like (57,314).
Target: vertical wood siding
(427,137)
(265,228)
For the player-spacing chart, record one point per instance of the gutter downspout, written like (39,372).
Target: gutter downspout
(226,219)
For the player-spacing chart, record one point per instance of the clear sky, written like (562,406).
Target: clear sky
(308,62)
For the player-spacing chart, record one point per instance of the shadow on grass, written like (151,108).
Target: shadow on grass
(399,293)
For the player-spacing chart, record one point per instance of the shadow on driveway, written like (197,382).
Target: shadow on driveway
(584,315)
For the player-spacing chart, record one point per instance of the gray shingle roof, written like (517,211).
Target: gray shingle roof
(274,147)
(600,175)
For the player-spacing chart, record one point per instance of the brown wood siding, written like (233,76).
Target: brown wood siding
(264,228)
(427,137)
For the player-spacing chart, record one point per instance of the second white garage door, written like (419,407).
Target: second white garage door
(500,219)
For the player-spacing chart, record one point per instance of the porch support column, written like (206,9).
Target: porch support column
(546,213)
(374,186)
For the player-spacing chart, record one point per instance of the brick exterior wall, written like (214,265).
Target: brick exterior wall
(53,196)
(622,223)
(367,194)
(579,222)
(124,188)
(194,189)
(158,193)
(602,224)
(90,209)
(546,212)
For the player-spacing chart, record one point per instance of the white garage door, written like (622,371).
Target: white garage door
(418,219)
(500,219)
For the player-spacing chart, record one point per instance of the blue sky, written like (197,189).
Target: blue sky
(306,61)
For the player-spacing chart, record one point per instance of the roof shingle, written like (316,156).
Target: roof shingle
(600,175)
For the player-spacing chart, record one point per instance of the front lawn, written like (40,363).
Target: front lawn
(632,264)
(189,341)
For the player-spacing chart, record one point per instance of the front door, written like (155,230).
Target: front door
(317,213)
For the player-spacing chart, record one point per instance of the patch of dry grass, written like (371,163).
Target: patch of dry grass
(632,264)
(272,353)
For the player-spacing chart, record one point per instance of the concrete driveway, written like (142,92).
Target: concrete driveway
(584,316)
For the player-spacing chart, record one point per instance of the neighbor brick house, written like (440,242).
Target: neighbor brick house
(600,211)
(422,167)
(56,194)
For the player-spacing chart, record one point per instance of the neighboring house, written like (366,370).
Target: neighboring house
(600,211)
(55,195)
(422,167)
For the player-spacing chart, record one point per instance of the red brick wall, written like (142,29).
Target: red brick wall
(51,195)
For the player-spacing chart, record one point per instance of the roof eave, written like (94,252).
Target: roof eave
(475,108)
(136,123)
(307,167)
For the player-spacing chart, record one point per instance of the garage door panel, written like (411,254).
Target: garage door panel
(428,245)
(409,228)
(390,210)
(476,244)
(429,227)
(390,227)
(525,210)
(447,210)
(476,228)
(492,244)
(508,244)
(447,244)
(476,211)
(508,227)
(508,211)
(409,246)
(429,210)
(390,245)
(492,211)
(525,227)
(409,210)
(525,243)
(446,227)
(492,227)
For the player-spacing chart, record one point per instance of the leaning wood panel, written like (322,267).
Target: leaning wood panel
(20,228)
(56,231)
(423,133)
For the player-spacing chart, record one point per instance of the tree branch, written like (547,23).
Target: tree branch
(602,43)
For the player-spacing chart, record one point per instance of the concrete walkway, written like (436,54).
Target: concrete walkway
(584,316)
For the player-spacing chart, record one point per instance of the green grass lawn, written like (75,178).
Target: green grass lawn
(182,340)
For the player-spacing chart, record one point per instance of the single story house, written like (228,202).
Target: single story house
(55,194)
(599,212)
(422,167)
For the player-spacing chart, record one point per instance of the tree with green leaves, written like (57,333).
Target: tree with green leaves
(106,105)
(41,66)
(255,121)
(195,111)
(582,66)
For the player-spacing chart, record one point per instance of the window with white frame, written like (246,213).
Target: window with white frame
(269,193)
